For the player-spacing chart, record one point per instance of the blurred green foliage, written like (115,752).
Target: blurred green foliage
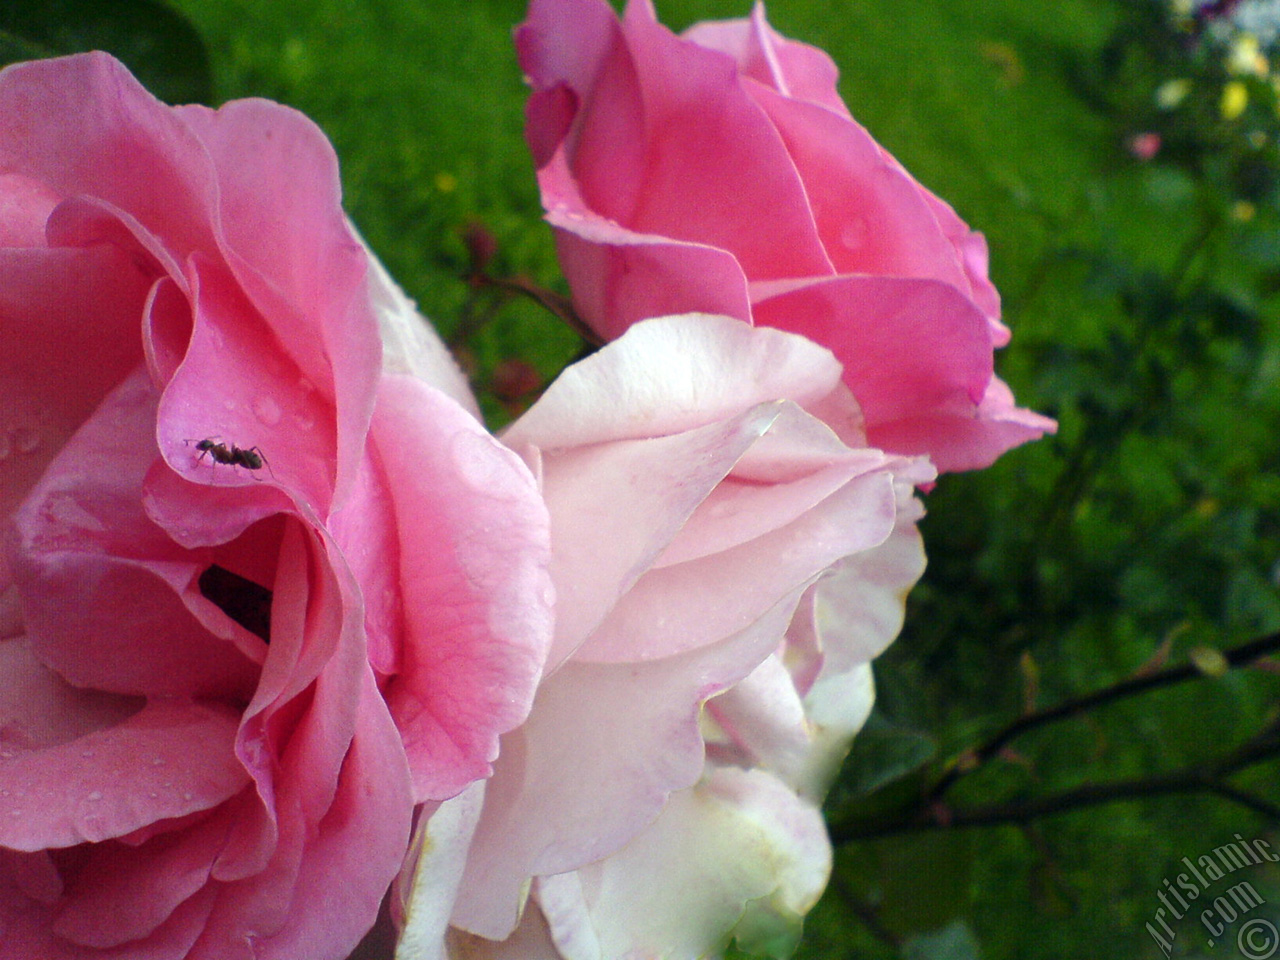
(159,45)
(1145,304)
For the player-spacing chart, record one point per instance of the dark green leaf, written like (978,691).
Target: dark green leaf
(158,44)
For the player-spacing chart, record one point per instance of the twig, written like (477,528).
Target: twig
(1240,656)
(1196,779)
(553,302)
(931,812)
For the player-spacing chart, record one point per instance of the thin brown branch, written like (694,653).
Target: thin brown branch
(553,302)
(1201,778)
(1240,656)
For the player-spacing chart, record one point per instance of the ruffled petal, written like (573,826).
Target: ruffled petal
(113,141)
(652,148)
(917,355)
(357,845)
(169,759)
(604,745)
(853,185)
(601,550)
(46,388)
(473,553)
(741,839)
(792,68)
(673,374)
(440,847)
(285,238)
(685,605)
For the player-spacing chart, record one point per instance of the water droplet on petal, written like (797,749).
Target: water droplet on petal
(474,459)
(854,233)
(267,410)
(187,796)
(95,796)
(157,761)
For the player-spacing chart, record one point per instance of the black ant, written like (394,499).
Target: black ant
(230,454)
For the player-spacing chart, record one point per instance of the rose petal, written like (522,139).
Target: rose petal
(860,604)
(972,248)
(655,151)
(28,932)
(40,709)
(356,847)
(473,558)
(90,564)
(765,717)
(286,240)
(169,759)
(48,390)
(788,471)
(604,745)
(440,843)
(620,278)
(667,375)
(792,68)
(662,480)
(144,639)
(531,940)
(851,183)
(113,141)
(837,705)
(341,808)
(25,205)
(959,441)
(739,837)
(33,875)
(126,893)
(680,607)
(410,343)
(917,356)
(258,400)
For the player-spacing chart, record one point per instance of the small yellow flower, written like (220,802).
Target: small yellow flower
(1235,97)
(1243,211)
(446,182)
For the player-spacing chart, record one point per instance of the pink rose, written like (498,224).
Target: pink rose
(720,172)
(262,590)
(701,476)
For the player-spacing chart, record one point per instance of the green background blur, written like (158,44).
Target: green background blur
(1144,306)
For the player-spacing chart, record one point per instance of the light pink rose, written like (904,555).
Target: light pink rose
(719,171)
(743,853)
(701,476)
(259,595)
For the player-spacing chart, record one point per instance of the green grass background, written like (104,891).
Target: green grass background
(1153,516)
